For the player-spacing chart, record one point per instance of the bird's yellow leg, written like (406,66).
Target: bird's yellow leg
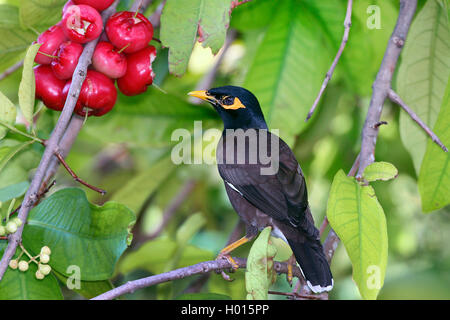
(225,252)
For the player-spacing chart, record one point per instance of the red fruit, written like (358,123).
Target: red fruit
(109,61)
(98,94)
(96,4)
(82,23)
(66,59)
(139,73)
(49,88)
(126,28)
(50,41)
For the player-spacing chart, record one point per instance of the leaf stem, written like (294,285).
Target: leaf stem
(14,129)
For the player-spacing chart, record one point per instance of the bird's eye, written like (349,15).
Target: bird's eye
(228,101)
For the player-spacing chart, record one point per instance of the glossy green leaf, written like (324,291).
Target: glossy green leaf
(79,233)
(154,255)
(7,114)
(288,69)
(38,13)
(17,285)
(422,76)
(13,44)
(13,191)
(180,21)
(260,273)
(380,171)
(434,177)
(147,182)
(253,15)
(27,86)
(358,219)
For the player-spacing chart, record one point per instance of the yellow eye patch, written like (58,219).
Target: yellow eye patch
(232,103)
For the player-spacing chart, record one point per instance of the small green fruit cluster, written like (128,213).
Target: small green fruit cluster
(10,227)
(43,268)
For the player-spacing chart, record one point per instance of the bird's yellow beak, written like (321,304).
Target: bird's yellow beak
(201,94)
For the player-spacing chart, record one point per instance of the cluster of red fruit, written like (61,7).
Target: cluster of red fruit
(126,56)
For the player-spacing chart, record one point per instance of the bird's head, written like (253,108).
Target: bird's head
(238,107)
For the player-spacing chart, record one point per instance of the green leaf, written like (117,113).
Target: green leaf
(7,114)
(38,13)
(434,177)
(260,273)
(180,21)
(422,76)
(203,296)
(7,153)
(358,219)
(88,289)
(153,256)
(189,228)
(380,171)
(13,45)
(79,233)
(147,182)
(13,191)
(17,285)
(27,86)
(253,15)
(288,69)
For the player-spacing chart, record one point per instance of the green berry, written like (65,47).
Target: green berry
(13,264)
(39,275)
(2,231)
(46,250)
(23,266)
(17,221)
(11,227)
(45,269)
(45,258)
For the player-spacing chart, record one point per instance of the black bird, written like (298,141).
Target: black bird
(265,192)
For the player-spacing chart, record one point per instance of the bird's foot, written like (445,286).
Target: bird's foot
(290,266)
(234,265)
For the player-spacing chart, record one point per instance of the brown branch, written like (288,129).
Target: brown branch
(396,98)
(74,175)
(155,18)
(347,25)
(11,69)
(382,83)
(31,196)
(140,5)
(181,273)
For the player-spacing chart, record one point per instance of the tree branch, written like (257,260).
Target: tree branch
(382,83)
(396,98)
(31,195)
(199,268)
(140,5)
(347,25)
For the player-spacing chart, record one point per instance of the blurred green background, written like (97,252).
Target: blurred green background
(127,153)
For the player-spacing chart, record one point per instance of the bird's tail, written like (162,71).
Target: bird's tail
(313,263)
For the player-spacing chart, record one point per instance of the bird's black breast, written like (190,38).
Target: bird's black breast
(264,171)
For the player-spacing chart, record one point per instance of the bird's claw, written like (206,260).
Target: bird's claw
(234,265)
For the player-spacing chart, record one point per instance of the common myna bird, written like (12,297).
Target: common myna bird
(265,183)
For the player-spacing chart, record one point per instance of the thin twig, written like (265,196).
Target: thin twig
(396,98)
(140,5)
(300,296)
(155,18)
(11,69)
(347,25)
(74,175)
(382,83)
(199,268)
(31,195)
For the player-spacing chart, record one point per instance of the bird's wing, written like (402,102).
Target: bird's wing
(282,196)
